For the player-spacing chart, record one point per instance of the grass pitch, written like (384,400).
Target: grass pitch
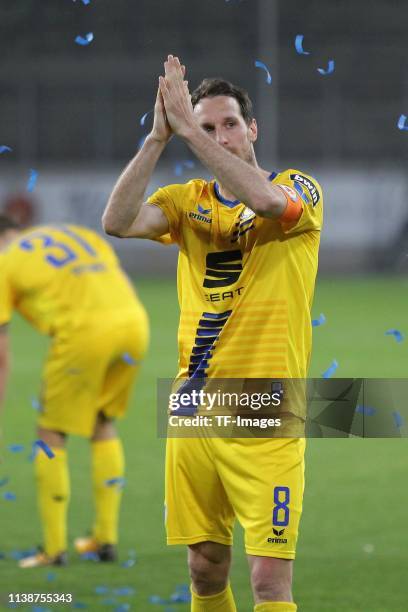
(353,537)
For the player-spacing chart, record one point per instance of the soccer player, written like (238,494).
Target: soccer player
(247,264)
(67,282)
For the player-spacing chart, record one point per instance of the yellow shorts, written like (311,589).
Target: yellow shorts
(92,370)
(212,481)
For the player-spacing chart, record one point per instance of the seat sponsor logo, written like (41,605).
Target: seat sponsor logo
(309,185)
(223,268)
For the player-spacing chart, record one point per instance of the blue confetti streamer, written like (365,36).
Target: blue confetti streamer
(156,599)
(90,556)
(124,591)
(16,448)
(32,180)
(143,119)
(396,333)
(331,369)
(45,448)
(4,481)
(127,358)
(299,45)
(398,420)
(366,410)
(320,321)
(51,576)
(402,123)
(84,40)
(122,607)
(259,64)
(180,597)
(5,149)
(330,68)
(40,609)
(141,142)
(101,589)
(128,563)
(23,554)
(80,605)
(116,481)
(36,404)
(9,496)
(179,167)
(110,601)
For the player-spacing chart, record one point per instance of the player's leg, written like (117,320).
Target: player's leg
(199,515)
(271,580)
(52,481)
(270,472)
(72,378)
(125,346)
(108,472)
(209,564)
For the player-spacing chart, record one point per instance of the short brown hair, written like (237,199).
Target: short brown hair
(7,224)
(210,88)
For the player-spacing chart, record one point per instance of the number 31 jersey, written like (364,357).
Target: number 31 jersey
(245,283)
(61,276)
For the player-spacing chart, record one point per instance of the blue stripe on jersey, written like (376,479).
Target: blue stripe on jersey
(202,351)
(220,198)
(208,332)
(217,315)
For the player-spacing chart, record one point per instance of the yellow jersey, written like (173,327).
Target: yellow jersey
(245,283)
(61,276)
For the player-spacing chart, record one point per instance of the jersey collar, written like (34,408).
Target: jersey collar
(233,203)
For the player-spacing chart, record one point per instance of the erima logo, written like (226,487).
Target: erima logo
(310,186)
(278,540)
(203,211)
(198,217)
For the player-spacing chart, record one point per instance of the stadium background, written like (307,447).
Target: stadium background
(72,113)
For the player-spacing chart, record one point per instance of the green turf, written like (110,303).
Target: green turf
(355,500)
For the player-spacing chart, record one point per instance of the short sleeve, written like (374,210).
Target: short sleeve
(311,195)
(168,200)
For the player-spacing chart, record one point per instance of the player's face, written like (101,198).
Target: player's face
(221,118)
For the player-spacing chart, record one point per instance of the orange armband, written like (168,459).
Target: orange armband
(294,206)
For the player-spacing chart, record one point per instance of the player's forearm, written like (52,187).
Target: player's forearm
(128,194)
(246,182)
